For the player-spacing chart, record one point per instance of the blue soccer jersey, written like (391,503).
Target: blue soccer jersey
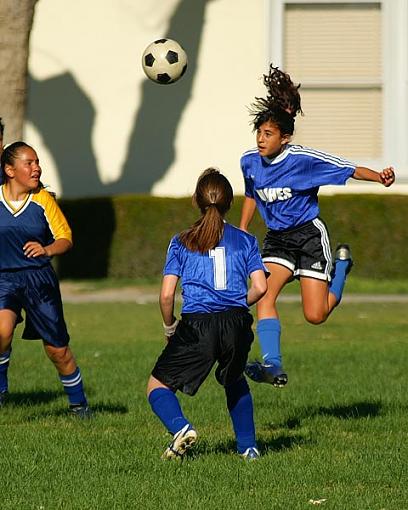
(218,280)
(285,188)
(39,219)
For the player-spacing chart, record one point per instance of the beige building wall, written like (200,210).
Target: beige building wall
(99,43)
(101,128)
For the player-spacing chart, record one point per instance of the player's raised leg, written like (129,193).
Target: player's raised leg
(343,263)
(319,297)
(269,331)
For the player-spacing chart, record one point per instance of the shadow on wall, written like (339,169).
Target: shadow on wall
(64,116)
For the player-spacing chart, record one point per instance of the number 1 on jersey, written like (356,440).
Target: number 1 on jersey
(220,267)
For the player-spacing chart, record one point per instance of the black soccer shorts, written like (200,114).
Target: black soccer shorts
(199,342)
(305,250)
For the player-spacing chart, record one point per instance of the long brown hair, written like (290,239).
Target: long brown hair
(281,104)
(213,196)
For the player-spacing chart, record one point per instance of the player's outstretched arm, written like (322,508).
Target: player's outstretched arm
(248,211)
(258,287)
(386,177)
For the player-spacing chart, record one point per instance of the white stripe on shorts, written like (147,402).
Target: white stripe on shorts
(281,262)
(325,245)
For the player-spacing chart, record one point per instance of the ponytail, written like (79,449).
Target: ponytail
(213,196)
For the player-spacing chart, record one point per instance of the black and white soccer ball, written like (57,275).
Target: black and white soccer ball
(164,61)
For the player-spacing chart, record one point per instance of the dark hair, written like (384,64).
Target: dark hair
(1,128)
(213,196)
(10,153)
(282,102)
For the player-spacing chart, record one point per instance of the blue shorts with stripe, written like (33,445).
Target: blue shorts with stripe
(304,250)
(36,291)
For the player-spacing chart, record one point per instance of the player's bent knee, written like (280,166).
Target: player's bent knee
(315,317)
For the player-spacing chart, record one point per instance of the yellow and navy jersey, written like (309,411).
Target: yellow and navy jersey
(38,218)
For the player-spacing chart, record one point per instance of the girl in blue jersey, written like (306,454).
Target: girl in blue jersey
(213,260)
(282,181)
(33,230)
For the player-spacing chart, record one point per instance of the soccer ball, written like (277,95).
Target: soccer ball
(164,61)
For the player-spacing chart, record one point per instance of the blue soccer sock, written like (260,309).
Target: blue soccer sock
(73,388)
(241,410)
(4,364)
(166,407)
(338,281)
(269,331)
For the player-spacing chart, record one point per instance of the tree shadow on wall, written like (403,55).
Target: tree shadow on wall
(64,116)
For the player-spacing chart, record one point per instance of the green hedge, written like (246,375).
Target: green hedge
(127,236)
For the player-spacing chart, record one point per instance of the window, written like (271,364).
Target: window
(335,51)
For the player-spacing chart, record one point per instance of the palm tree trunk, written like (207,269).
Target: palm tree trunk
(16,18)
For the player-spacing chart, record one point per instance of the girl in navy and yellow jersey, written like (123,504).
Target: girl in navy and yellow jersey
(282,181)
(32,230)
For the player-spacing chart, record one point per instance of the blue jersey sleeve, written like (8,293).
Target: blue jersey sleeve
(173,263)
(249,183)
(326,169)
(254,262)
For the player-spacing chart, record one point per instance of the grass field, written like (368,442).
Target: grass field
(338,432)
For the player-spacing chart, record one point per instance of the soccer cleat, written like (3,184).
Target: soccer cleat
(250,454)
(343,252)
(82,411)
(182,441)
(271,374)
(3,398)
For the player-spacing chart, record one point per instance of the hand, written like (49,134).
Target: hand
(34,249)
(387,176)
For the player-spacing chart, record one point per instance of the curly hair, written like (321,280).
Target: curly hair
(282,102)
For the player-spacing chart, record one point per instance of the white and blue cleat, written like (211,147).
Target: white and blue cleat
(183,440)
(343,252)
(250,454)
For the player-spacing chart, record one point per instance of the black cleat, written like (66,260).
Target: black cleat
(270,374)
(81,411)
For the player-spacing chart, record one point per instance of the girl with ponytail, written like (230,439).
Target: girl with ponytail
(213,260)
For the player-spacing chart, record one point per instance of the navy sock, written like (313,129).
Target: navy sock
(269,331)
(4,364)
(240,407)
(339,278)
(166,407)
(73,387)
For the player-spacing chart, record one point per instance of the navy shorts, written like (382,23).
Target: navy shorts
(36,291)
(305,250)
(199,342)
